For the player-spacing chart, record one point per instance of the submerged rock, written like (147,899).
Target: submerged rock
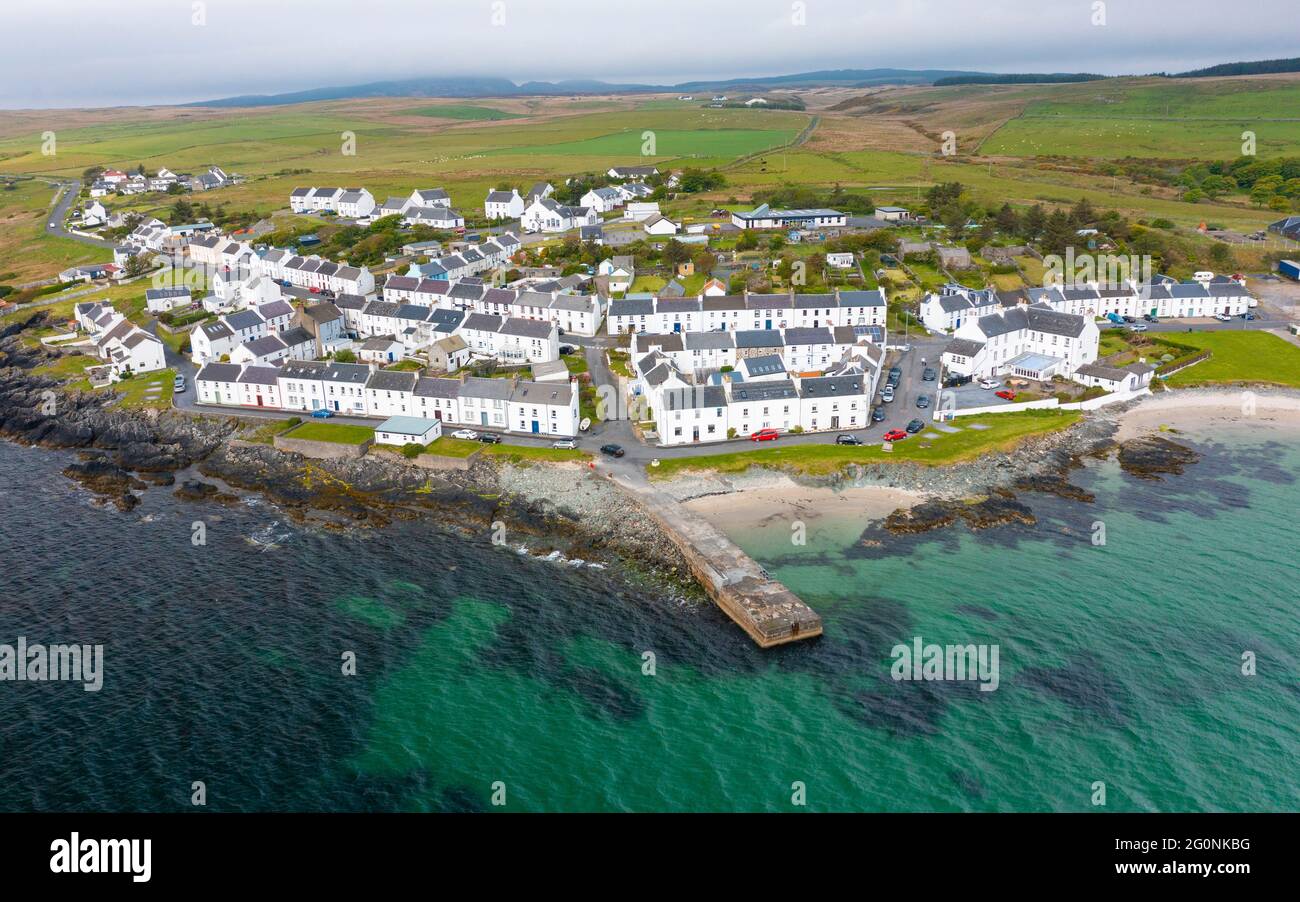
(1152,456)
(107,480)
(1050,484)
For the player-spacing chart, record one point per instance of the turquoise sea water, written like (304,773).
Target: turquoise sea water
(1119,663)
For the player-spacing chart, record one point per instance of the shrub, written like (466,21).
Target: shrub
(411,450)
(795,430)
(293,421)
(731,432)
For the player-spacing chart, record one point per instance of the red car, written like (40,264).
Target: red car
(314,290)
(1006,394)
(895,435)
(765,435)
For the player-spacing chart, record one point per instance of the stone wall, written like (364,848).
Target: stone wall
(321,450)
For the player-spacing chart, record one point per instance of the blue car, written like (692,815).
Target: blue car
(322,413)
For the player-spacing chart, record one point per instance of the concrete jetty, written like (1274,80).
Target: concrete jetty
(768,611)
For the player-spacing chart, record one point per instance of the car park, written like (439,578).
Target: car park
(612,450)
(765,435)
(895,435)
(847,440)
(923,401)
(468,435)
(915,426)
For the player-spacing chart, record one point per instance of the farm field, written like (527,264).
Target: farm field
(27,254)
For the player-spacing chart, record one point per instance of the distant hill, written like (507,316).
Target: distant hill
(1026,79)
(469,86)
(1260,67)
(503,87)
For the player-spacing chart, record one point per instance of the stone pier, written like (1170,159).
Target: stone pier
(768,611)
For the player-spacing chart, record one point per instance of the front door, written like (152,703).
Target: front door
(217,395)
(695,434)
(536,426)
(835,422)
(259,401)
(482,417)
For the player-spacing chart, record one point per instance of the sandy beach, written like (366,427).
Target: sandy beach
(785,501)
(1194,411)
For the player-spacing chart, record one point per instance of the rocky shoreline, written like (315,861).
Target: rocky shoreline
(126,452)
(563,508)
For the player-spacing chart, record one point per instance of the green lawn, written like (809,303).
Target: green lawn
(135,391)
(1239,357)
(577,363)
(1004,432)
(332,432)
(453,447)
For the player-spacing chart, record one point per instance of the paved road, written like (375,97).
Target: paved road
(68,193)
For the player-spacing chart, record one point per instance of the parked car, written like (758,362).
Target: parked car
(915,426)
(1150,318)
(612,450)
(887,394)
(314,290)
(1248,316)
(178,385)
(564,444)
(764,435)
(467,434)
(956,381)
(928,374)
(989,384)
(1129,319)
(895,435)
(566,349)
(877,414)
(321,413)
(1138,327)
(847,440)
(488,438)
(1006,394)
(923,401)
(1223,317)
(895,372)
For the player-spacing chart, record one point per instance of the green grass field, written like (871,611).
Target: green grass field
(1239,358)
(1003,432)
(1186,119)
(339,433)
(464,112)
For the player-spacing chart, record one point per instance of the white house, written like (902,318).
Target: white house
(602,200)
(543,408)
(436,217)
(620,270)
(210,342)
(406,430)
(429,197)
(632,172)
(1034,342)
(659,225)
(545,215)
(638,212)
(764,217)
(501,204)
(356,204)
(160,300)
(839,261)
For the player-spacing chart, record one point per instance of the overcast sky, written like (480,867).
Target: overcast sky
(61,53)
